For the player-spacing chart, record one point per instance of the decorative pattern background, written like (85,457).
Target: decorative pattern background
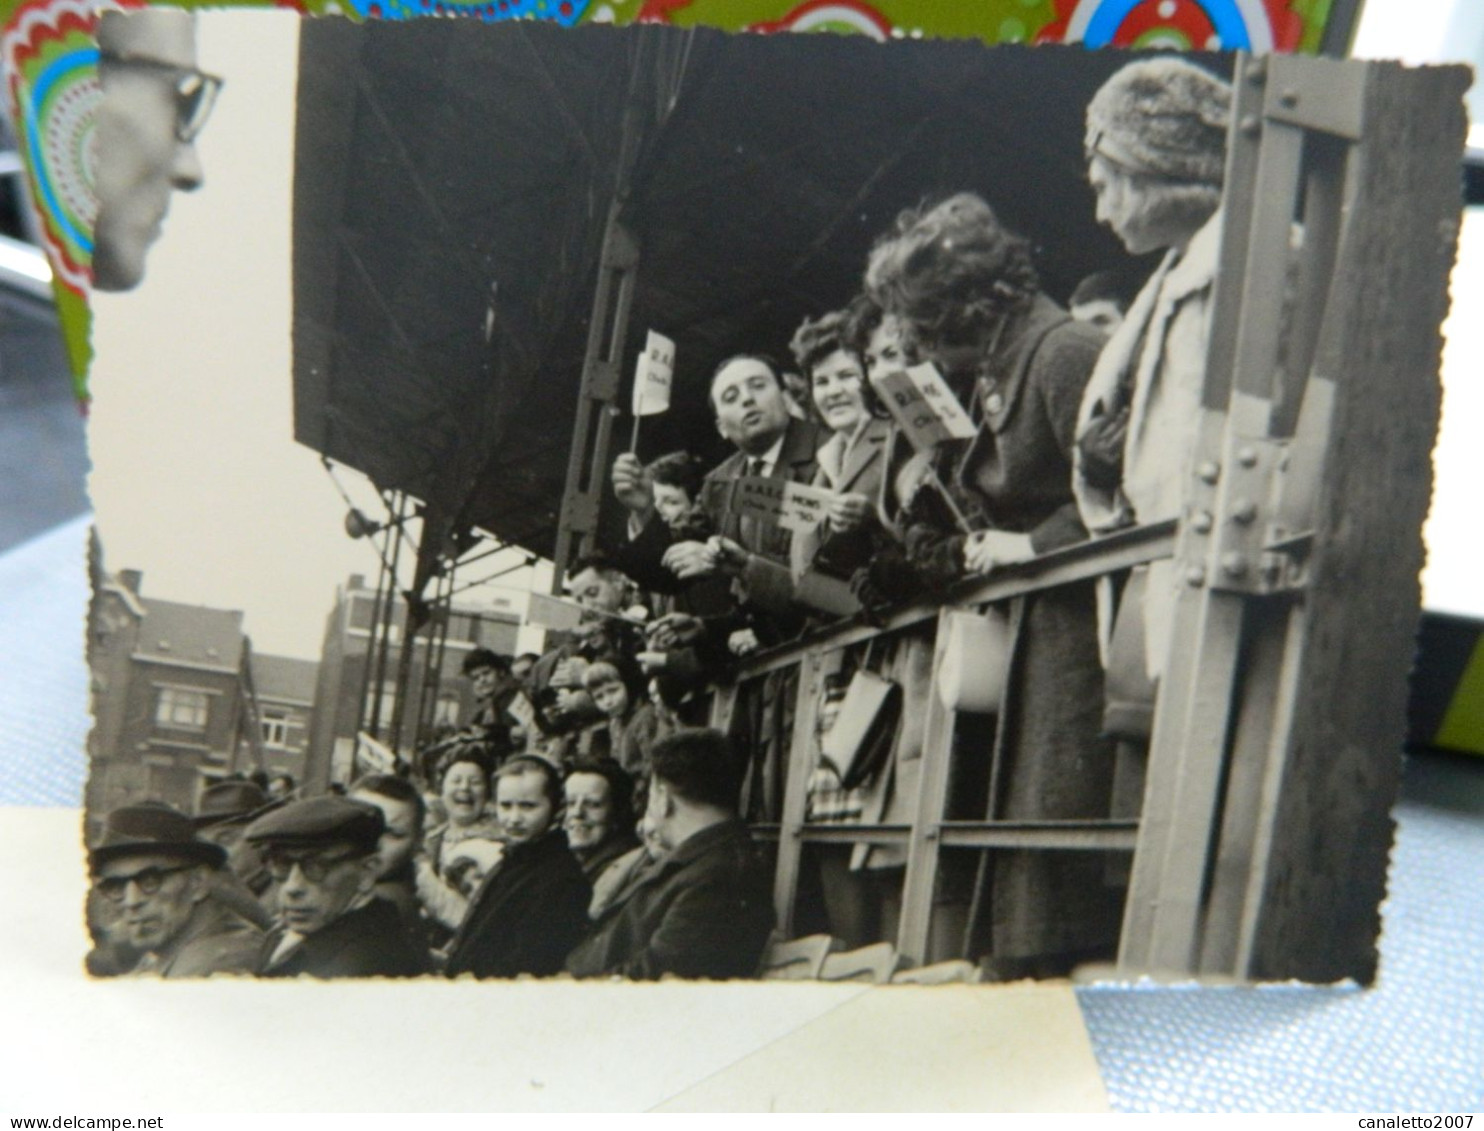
(50,54)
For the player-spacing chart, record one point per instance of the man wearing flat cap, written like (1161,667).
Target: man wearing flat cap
(321,853)
(152,867)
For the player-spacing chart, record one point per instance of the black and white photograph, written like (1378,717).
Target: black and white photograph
(681,505)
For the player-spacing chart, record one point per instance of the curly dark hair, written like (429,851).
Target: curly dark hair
(484,658)
(471,751)
(679,469)
(817,338)
(953,272)
(862,316)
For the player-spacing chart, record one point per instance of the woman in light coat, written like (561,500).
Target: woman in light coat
(1156,152)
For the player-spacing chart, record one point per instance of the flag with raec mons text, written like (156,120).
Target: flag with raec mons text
(653,376)
(924,406)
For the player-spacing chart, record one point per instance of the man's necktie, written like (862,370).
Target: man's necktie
(747,527)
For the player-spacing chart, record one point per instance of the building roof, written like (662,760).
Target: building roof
(467,604)
(191,634)
(129,598)
(283,677)
(446,248)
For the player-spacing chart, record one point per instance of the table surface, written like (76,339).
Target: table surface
(1414,1043)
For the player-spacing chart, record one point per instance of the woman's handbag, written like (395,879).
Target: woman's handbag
(972,665)
(859,742)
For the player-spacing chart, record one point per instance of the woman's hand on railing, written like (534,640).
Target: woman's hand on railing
(988,550)
(743,642)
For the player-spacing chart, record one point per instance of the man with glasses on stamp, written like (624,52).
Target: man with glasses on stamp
(155,102)
(321,853)
(154,873)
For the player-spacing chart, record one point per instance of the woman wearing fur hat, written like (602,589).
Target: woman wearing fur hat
(1156,153)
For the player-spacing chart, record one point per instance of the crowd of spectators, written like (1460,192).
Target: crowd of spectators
(511,846)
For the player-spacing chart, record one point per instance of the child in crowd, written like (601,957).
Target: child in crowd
(610,691)
(675,482)
(531,909)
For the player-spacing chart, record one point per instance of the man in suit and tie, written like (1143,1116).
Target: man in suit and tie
(751,407)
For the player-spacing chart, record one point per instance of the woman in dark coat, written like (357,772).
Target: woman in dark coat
(531,909)
(968,297)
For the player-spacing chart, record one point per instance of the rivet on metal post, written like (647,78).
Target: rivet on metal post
(1288,99)
(1257,72)
(1250,126)
(1244,512)
(1195,576)
(1247,457)
(1209,472)
(1233,565)
(1201,522)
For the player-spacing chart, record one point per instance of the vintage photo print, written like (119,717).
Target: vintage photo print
(787,507)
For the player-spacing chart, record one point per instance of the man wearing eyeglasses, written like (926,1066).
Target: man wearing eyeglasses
(321,853)
(154,872)
(155,102)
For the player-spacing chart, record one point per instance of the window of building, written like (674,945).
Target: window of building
(275,724)
(447,711)
(361,609)
(362,622)
(388,707)
(182,708)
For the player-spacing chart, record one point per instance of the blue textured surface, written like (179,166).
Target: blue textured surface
(1415,1043)
(43,680)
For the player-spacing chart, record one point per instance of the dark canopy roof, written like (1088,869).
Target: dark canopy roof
(453,181)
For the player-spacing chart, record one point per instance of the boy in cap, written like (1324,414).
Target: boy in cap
(157,873)
(322,854)
(531,908)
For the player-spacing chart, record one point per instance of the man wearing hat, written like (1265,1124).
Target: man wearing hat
(322,853)
(153,868)
(1156,155)
(225,810)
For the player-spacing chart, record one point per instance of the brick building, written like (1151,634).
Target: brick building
(346,691)
(170,696)
(285,690)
